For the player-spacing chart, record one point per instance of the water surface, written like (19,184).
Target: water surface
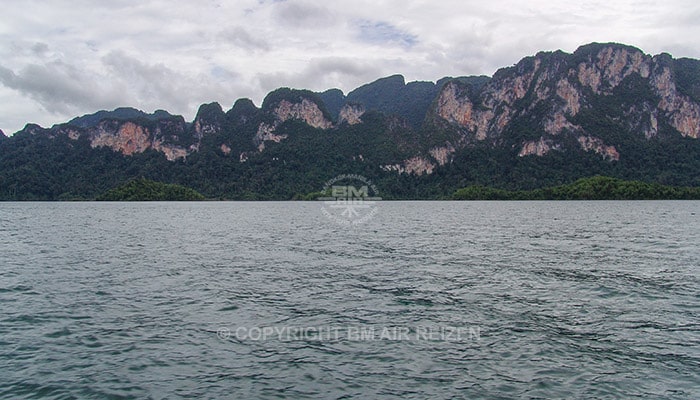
(151,300)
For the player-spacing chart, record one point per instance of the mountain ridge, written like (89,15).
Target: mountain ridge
(606,107)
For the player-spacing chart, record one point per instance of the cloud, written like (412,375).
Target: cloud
(240,37)
(323,73)
(59,87)
(379,32)
(69,57)
(302,15)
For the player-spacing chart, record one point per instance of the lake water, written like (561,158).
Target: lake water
(424,300)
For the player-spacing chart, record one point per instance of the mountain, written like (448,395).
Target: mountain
(123,113)
(606,109)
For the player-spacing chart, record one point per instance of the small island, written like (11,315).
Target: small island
(147,190)
(593,188)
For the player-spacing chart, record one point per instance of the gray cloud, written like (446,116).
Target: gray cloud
(175,56)
(323,73)
(240,37)
(59,87)
(302,15)
(40,48)
(379,32)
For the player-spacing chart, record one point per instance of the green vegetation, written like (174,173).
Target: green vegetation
(594,188)
(225,160)
(147,190)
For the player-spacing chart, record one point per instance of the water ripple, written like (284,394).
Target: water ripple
(151,300)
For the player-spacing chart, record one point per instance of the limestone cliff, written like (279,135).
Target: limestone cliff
(288,104)
(553,96)
(128,137)
(167,136)
(598,102)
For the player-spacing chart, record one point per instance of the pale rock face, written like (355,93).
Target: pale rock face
(416,165)
(496,109)
(171,152)
(73,134)
(351,114)
(460,110)
(128,139)
(267,132)
(570,96)
(589,76)
(684,115)
(653,126)
(201,129)
(306,111)
(452,108)
(538,148)
(442,154)
(602,73)
(393,167)
(558,123)
(419,166)
(611,66)
(617,64)
(590,143)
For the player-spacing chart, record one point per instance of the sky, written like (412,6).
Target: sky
(64,58)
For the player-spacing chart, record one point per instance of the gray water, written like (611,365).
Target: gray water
(464,300)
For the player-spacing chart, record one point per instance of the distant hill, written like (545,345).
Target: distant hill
(147,190)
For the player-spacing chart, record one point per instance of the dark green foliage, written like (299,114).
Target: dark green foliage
(476,82)
(334,99)
(393,96)
(478,192)
(147,190)
(210,113)
(594,188)
(687,73)
(122,113)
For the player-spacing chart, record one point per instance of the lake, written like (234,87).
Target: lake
(422,300)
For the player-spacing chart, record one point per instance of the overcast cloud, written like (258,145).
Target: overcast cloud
(63,58)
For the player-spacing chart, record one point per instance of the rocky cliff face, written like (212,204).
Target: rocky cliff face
(293,107)
(544,96)
(128,137)
(167,135)
(589,101)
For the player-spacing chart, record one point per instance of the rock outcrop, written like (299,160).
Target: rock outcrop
(287,104)
(129,137)
(546,95)
(351,114)
(589,143)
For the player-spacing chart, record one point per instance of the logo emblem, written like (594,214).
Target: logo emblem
(352,201)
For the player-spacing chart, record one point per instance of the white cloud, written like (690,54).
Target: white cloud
(64,58)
